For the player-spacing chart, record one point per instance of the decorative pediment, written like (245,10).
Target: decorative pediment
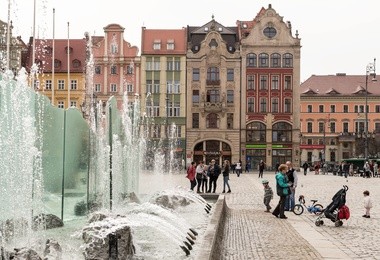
(360,90)
(309,91)
(332,91)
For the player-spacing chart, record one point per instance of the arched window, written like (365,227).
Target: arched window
(275,60)
(213,74)
(281,132)
(263,60)
(212,120)
(256,132)
(287,60)
(251,60)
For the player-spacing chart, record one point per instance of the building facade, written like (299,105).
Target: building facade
(333,117)
(61,80)
(17,48)
(213,93)
(270,115)
(163,90)
(116,66)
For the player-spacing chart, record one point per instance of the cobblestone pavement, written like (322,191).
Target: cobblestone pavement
(250,233)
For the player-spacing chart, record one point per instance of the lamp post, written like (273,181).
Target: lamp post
(370,70)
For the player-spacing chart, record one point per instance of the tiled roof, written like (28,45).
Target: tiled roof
(78,53)
(340,84)
(164,36)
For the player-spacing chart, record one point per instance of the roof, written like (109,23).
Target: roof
(340,84)
(42,54)
(163,36)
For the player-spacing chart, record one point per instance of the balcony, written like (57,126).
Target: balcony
(213,82)
(346,137)
(213,107)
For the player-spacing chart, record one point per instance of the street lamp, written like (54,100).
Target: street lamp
(370,71)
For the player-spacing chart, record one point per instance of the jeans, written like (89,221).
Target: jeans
(290,200)
(225,182)
(204,185)
(212,184)
(199,184)
(193,183)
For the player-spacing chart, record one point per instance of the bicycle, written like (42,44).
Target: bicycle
(315,208)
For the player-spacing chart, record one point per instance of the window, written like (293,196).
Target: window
(270,32)
(256,132)
(174,109)
(57,64)
(68,50)
(309,127)
(251,105)
(73,104)
(129,88)
(195,120)
(288,82)
(230,97)
(98,69)
(74,84)
(251,82)
(345,127)
(130,69)
(359,109)
(377,128)
(152,88)
(113,70)
(275,81)
(230,120)
(195,97)
(287,60)
(97,87)
(310,108)
(153,109)
(321,127)
(36,84)
(153,63)
(156,131)
(212,120)
(263,82)
(359,127)
(332,108)
(275,60)
(173,87)
(212,96)
(288,106)
(178,131)
(321,108)
(48,84)
(61,84)
(113,48)
(61,104)
(275,105)
(263,60)
(377,109)
(230,74)
(157,46)
(113,88)
(170,46)
(263,105)
(173,64)
(196,75)
(251,60)
(76,63)
(282,132)
(332,127)
(213,74)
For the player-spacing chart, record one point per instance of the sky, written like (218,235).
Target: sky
(337,36)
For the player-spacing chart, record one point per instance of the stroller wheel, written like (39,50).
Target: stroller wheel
(338,223)
(298,209)
(318,223)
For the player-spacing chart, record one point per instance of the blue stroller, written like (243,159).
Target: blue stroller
(336,210)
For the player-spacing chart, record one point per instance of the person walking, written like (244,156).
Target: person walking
(204,179)
(292,178)
(238,168)
(268,195)
(226,176)
(367,204)
(191,175)
(305,166)
(283,189)
(262,165)
(199,175)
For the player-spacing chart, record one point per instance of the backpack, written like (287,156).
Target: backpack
(344,212)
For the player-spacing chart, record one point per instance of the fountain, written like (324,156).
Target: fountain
(57,169)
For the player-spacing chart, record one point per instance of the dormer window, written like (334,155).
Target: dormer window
(57,63)
(68,50)
(170,45)
(157,45)
(48,50)
(206,29)
(76,63)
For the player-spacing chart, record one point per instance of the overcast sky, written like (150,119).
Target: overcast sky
(336,35)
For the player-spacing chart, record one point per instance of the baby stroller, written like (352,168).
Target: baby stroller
(336,210)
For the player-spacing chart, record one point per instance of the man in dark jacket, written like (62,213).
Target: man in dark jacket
(213,172)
